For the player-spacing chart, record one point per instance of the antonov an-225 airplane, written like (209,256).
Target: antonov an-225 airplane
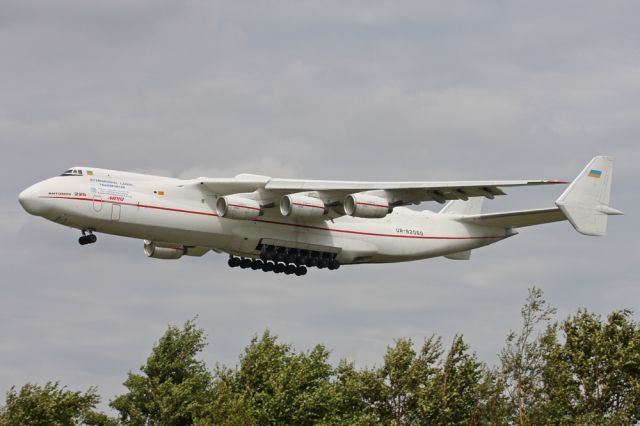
(287,225)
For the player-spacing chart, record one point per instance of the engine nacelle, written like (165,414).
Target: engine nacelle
(299,205)
(369,206)
(234,207)
(163,250)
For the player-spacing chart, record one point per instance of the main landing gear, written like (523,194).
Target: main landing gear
(286,260)
(87,238)
(255,264)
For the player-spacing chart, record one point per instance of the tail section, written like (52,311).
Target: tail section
(585,202)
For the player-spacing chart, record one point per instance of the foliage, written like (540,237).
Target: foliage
(274,385)
(523,357)
(584,370)
(594,376)
(174,387)
(48,405)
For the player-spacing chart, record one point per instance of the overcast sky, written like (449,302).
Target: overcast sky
(333,90)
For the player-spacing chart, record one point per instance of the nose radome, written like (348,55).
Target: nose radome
(31,201)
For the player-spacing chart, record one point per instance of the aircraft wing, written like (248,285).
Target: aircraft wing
(333,191)
(405,192)
(242,183)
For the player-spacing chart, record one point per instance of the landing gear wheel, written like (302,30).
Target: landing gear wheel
(234,262)
(245,263)
(301,270)
(334,264)
(87,238)
(290,269)
(278,268)
(256,264)
(267,253)
(267,266)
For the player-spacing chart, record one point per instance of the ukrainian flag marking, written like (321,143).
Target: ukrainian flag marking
(595,173)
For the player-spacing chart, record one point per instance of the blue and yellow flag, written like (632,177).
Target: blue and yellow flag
(595,173)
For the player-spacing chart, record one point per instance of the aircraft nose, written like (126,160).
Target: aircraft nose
(31,201)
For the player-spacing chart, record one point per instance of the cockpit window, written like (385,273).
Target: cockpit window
(72,172)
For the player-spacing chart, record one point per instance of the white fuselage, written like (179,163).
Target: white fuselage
(162,209)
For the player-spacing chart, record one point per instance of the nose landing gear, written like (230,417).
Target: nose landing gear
(87,238)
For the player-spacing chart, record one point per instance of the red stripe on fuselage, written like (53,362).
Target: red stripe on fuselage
(146,206)
(319,228)
(372,234)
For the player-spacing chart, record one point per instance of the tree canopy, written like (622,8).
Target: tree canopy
(582,370)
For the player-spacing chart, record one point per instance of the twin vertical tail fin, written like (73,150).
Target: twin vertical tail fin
(585,202)
(472,206)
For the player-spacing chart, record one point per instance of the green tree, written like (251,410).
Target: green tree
(493,407)
(424,387)
(174,387)
(48,405)
(593,377)
(583,371)
(273,384)
(452,393)
(406,375)
(359,395)
(523,357)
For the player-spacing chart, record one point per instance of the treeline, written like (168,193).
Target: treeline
(584,370)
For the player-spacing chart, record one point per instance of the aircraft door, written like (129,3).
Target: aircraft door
(97,203)
(115,212)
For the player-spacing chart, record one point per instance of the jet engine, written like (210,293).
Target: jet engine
(163,250)
(234,207)
(303,206)
(369,206)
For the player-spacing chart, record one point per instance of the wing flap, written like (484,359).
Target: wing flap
(517,219)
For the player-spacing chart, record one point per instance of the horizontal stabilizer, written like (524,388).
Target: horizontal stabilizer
(517,219)
(472,206)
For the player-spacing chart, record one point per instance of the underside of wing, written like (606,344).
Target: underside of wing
(517,219)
